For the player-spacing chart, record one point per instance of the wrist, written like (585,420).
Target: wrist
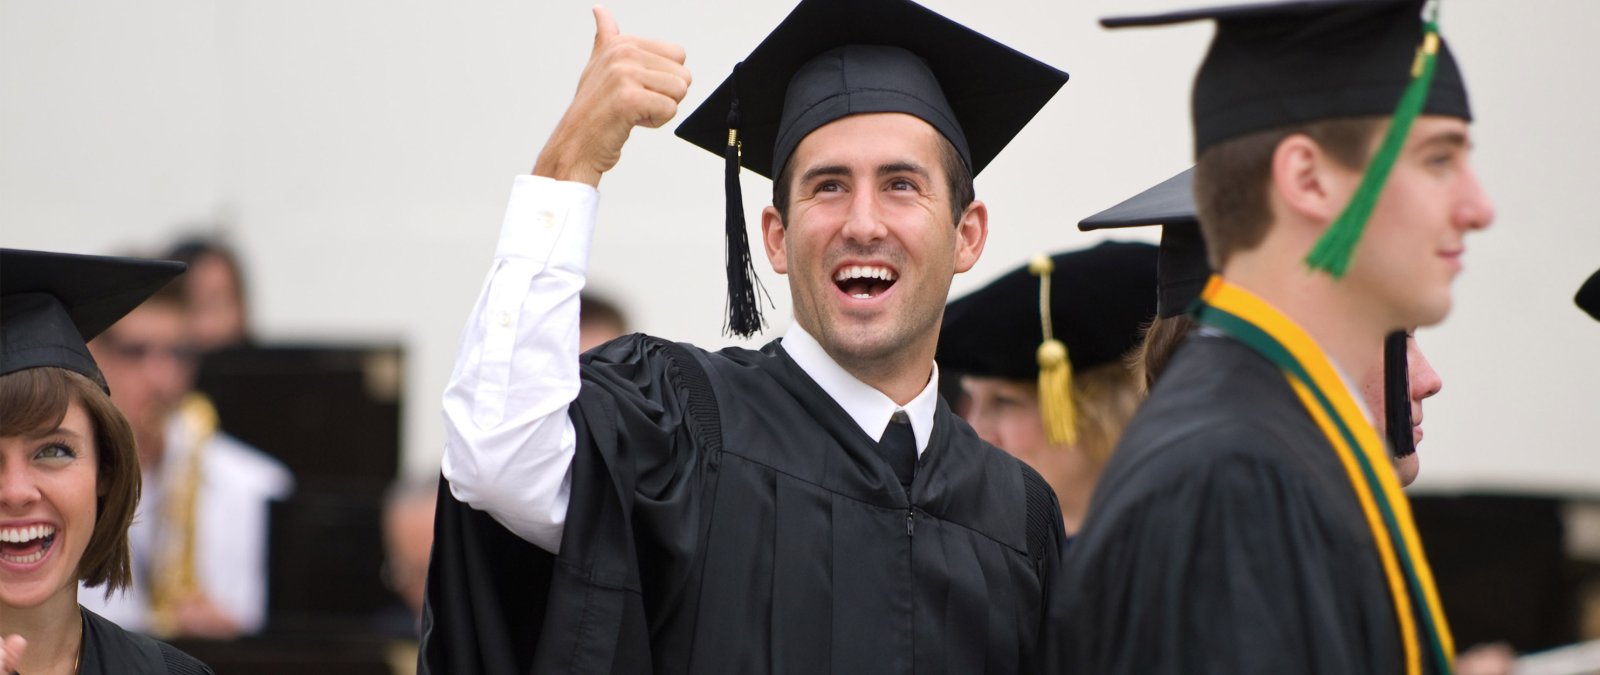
(558,165)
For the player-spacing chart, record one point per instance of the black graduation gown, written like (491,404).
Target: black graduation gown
(727,516)
(110,650)
(1224,537)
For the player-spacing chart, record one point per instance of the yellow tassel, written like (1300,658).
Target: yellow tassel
(1055,394)
(1055,369)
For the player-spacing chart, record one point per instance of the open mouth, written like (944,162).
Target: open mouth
(864,282)
(26,545)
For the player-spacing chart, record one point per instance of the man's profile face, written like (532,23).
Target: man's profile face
(1423,382)
(870,247)
(1413,246)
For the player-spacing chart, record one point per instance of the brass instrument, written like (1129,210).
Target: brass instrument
(174,578)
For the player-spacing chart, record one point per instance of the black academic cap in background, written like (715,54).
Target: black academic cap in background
(1275,64)
(1183,268)
(1100,300)
(52,304)
(1588,297)
(833,58)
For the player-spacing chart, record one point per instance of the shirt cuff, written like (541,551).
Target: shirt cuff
(542,212)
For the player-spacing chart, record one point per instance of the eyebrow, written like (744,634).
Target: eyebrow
(827,170)
(903,167)
(58,431)
(1452,138)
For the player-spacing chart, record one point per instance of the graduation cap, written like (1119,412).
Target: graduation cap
(1182,271)
(1056,316)
(1277,64)
(1588,297)
(52,304)
(1182,267)
(834,58)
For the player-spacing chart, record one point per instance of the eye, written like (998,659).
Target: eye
(56,451)
(902,184)
(830,186)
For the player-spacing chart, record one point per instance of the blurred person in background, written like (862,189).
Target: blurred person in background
(599,320)
(407,542)
(214,294)
(1064,422)
(69,473)
(200,537)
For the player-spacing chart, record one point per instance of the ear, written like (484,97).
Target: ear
(1306,182)
(773,235)
(971,233)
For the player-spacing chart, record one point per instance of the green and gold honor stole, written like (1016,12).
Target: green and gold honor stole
(1250,320)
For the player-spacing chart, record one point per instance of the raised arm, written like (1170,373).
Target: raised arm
(508,440)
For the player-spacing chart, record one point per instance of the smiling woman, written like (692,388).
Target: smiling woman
(69,471)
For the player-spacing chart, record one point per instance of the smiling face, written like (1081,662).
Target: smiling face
(1411,251)
(47,510)
(869,246)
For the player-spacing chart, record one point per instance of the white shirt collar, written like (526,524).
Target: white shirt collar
(870,408)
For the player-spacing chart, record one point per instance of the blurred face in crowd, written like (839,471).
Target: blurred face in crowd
(216,303)
(149,363)
(1424,383)
(408,539)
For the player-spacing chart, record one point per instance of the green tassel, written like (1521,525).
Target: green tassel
(1333,251)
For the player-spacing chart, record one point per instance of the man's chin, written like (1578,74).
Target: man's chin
(1406,469)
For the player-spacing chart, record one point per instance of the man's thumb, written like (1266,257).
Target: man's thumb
(605,27)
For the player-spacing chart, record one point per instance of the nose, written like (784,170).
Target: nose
(862,224)
(1425,381)
(1476,209)
(17,488)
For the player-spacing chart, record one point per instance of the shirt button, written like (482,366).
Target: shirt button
(546,220)
(505,319)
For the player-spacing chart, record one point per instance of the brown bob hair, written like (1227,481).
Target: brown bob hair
(34,401)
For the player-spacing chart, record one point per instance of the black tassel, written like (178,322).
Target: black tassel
(1397,395)
(744,307)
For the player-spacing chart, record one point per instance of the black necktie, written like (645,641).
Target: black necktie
(899,448)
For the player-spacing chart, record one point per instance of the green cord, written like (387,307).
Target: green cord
(1336,246)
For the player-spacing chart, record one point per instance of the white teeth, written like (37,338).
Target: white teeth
(29,559)
(18,535)
(864,272)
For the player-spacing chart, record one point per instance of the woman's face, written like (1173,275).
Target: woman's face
(47,510)
(1005,413)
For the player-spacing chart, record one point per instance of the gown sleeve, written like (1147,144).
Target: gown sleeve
(645,419)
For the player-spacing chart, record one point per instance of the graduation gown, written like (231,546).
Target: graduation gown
(110,650)
(1224,537)
(727,516)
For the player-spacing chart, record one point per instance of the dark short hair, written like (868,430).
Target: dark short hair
(958,179)
(594,308)
(35,400)
(1232,179)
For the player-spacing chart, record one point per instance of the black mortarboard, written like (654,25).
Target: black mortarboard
(51,304)
(1183,268)
(833,58)
(1089,308)
(1274,64)
(1588,297)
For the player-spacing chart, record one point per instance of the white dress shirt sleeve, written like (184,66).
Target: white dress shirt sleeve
(508,441)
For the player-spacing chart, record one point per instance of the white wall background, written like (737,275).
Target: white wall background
(359,154)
